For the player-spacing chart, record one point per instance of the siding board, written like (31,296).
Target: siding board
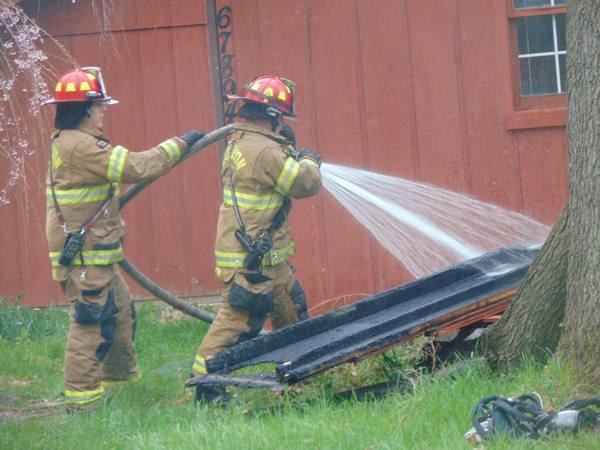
(34,251)
(11,262)
(200,189)
(161,117)
(441,149)
(336,103)
(544,172)
(494,173)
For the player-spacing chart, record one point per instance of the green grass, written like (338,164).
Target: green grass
(158,413)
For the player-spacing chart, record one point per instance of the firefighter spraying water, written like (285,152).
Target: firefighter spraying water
(261,173)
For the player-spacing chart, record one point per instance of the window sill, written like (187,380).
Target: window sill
(537,118)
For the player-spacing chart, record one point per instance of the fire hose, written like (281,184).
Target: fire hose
(133,271)
(525,416)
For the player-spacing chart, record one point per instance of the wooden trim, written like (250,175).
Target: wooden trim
(542,101)
(537,118)
(527,12)
(511,12)
(536,111)
(514,63)
(533,101)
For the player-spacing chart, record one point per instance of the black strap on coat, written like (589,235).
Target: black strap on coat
(89,223)
(256,248)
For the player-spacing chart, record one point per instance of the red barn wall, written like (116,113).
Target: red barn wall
(413,88)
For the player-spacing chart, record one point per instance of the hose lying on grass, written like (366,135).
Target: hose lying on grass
(133,271)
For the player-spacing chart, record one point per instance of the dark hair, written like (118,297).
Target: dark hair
(253,111)
(69,115)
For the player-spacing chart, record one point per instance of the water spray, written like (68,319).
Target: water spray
(425,227)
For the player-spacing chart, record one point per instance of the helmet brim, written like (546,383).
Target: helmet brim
(235,98)
(107,101)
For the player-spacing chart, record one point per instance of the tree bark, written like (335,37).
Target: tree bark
(531,324)
(580,340)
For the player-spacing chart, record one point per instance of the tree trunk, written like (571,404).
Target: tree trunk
(580,340)
(531,324)
(564,281)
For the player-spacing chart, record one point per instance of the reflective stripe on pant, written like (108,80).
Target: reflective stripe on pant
(115,384)
(81,398)
(199,366)
(99,342)
(233,324)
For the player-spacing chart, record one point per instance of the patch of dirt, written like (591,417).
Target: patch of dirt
(169,314)
(10,409)
(7,399)
(19,383)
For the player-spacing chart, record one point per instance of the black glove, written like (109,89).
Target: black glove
(310,154)
(191,137)
(287,132)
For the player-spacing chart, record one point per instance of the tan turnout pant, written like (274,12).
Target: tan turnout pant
(99,352)
(243,311)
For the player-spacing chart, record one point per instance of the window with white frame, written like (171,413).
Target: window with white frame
(541,43)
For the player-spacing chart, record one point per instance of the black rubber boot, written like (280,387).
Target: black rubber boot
(212,395)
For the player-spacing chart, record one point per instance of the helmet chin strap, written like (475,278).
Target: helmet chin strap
(274,115)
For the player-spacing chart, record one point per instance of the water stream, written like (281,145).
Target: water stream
(427,228)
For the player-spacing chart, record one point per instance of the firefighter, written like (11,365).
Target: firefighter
(84,232)
(260,172)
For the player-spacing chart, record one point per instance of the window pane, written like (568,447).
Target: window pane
(532,3)
(562,62)
(535,34)
(535,3)
(561,32)
(538,76)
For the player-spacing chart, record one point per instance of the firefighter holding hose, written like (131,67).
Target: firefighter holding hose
(84,232)
(261,172)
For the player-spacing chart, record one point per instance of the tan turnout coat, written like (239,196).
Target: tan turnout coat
(263,174)
(84,166)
